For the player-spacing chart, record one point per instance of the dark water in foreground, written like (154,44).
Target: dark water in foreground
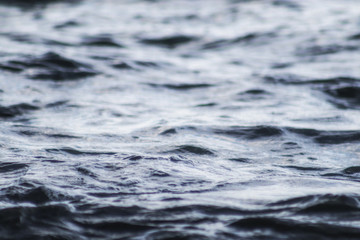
(203,119)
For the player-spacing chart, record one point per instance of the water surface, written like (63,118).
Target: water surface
(180,119)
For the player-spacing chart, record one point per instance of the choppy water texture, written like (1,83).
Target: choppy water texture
(181,119)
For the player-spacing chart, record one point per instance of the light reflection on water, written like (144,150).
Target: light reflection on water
(179,119)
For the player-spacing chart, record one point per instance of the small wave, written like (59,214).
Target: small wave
(267,226)
(47,133)
(205,105)
(51,66)
(122,65)
(102,40)
(292,79)
(304,168)
(117,228)
(57,104)
(345,97)
(47,222)
(13,167)
(324,50)
(74,151)
(191,149)
(134,158)
(32,39)
(36,196)
(339,137)
(27,192)
(169,41)
(251,133)
(28,5)
(251,38)
(182,87)
(332,205)
(67,24)
(354,37)
(308,132)
(211,210)
(158,173)
(16,110)
(328,137)
(288,4)
(137,65)
(328,204)
(253,94)
(168,132)
(166,234)
(352,170)
(86,172)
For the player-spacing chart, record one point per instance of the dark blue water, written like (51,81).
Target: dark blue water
(180,119)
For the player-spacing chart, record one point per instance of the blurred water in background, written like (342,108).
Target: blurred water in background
(180,119)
